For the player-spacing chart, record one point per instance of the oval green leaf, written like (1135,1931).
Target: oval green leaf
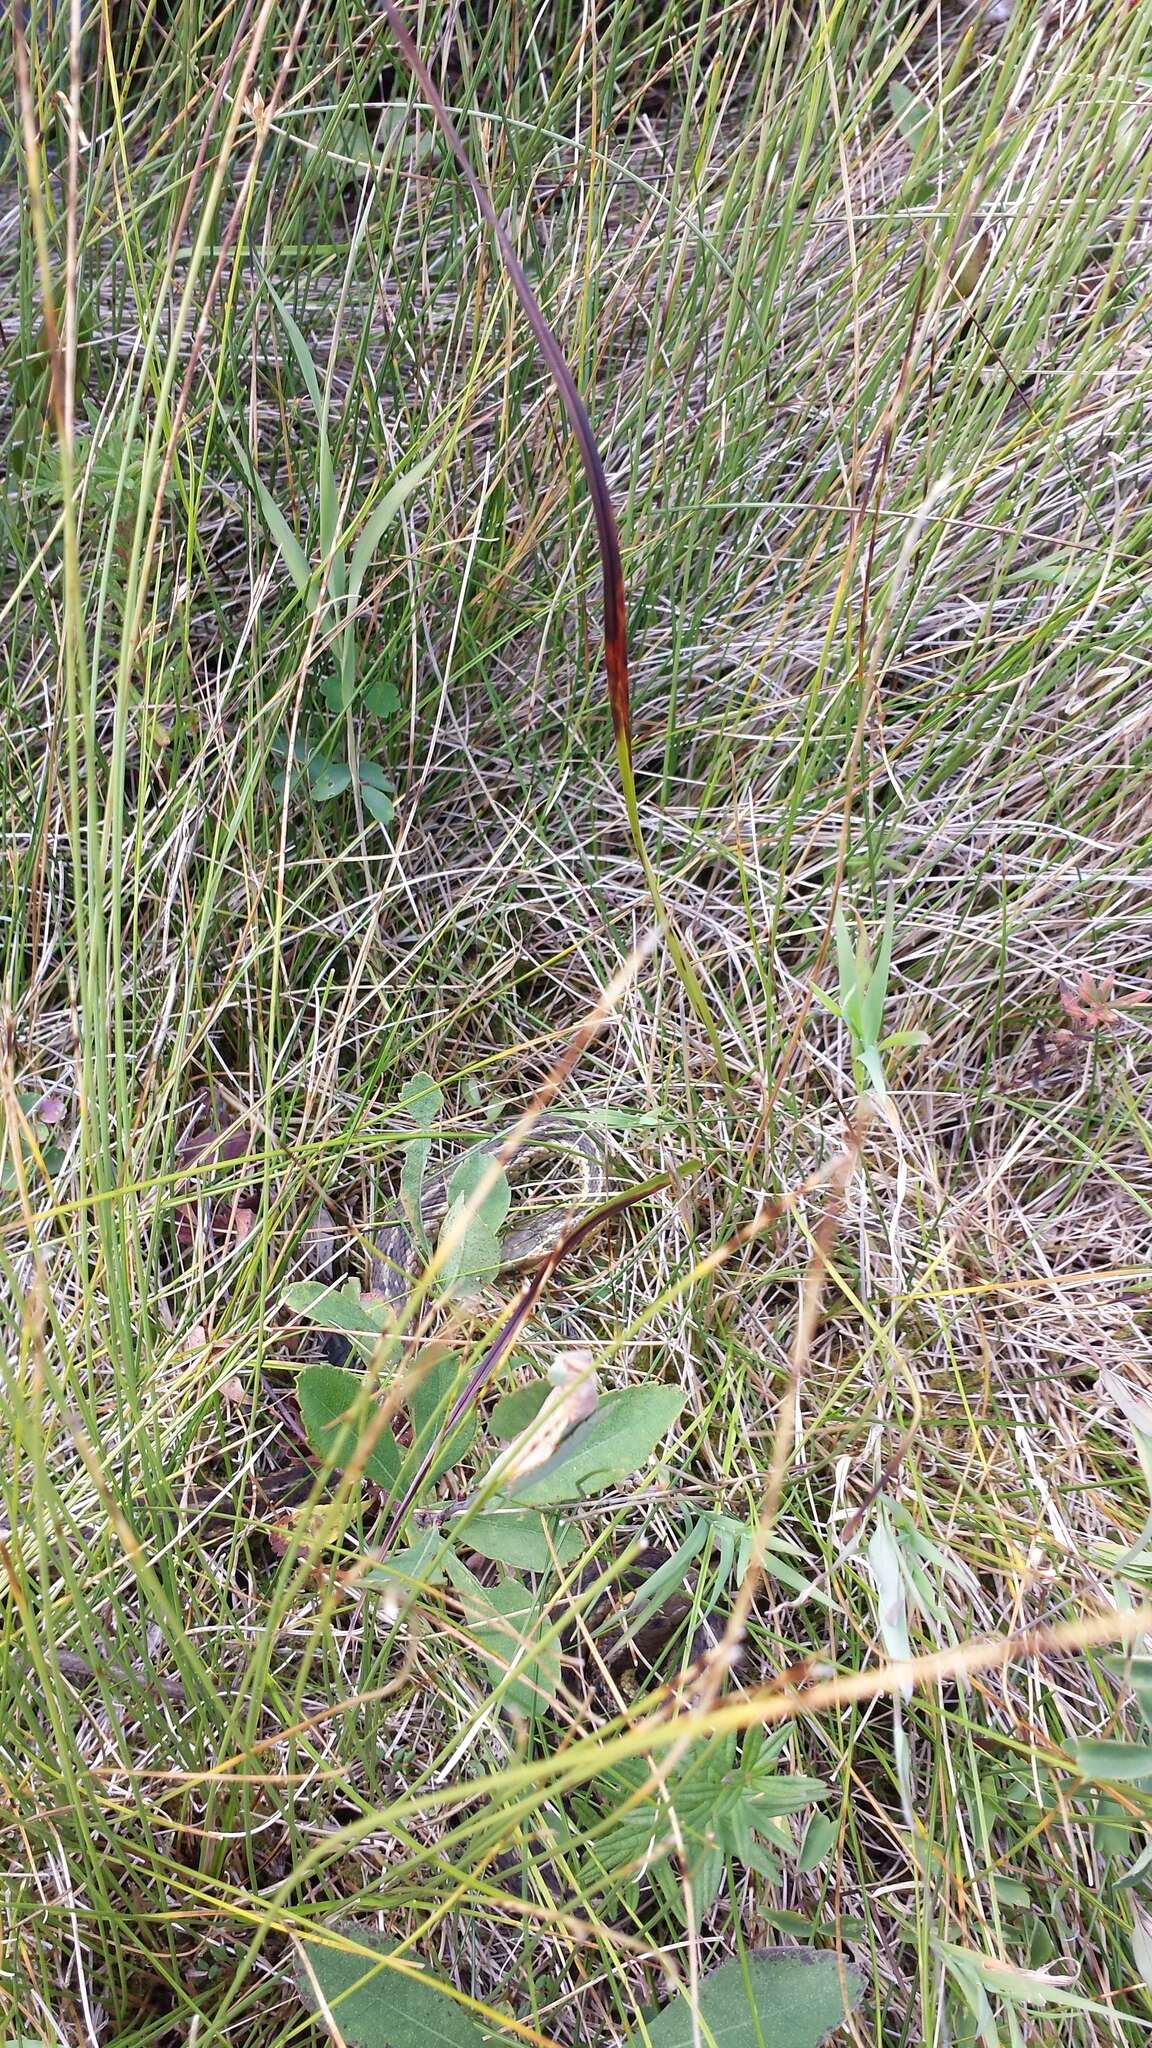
(516,1410)
(327,779)
(1112,1763)
(506,1623)
(526,1541)
(337,1308)
(778,1998)
(378,804)
(375,2006)
(439,1370)
(614,1442)
(336,1417)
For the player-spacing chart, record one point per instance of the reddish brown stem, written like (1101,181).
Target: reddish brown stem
(615,616)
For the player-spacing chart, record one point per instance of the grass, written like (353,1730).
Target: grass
(859,301)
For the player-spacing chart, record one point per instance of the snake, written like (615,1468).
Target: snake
(396,1253)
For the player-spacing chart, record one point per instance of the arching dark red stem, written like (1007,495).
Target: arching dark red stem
(615,616)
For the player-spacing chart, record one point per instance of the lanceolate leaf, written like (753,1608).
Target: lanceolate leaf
(374,2005)
(779,1998)
(379,519)
(292,554)
(300,348)
(423,1101)
(474,1255)
(614,1442)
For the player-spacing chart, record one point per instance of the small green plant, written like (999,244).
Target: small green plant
(731,1806)
(330,583)
(861,993)
(560,1442)
(341,1416)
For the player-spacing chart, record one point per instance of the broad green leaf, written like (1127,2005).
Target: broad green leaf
(472,1171)
(423,1101)
(526,1541)
(506,1622)
(820,1838)
(911,113)
(374,2006)
(328,1392)
(474,1263)
(336,1417)
(474,1259)
(378,804)
(514,1411)
(327,779)
(614,1442)
(372,775)
(776,1998)
(336,1308)
(427,1407)
(422,1098)
(382,699)
(1112,1763)
(1010,1892)
(393,501)
(414,1569)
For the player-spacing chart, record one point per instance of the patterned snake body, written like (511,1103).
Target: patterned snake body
(396,1254)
